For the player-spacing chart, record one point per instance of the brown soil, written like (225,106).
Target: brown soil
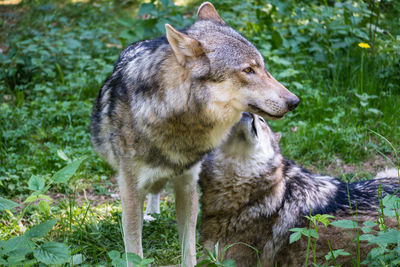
(360,170)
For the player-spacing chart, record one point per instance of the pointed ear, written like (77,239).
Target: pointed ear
(208,12)
(278,136)
(183,45)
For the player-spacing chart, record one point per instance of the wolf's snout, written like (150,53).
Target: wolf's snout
(292,102)
(246,115)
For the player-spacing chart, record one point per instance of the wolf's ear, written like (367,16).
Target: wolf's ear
(183,45)
(208,12)
(278,136)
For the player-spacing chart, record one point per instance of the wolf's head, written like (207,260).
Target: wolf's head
(229,67)
(252,139)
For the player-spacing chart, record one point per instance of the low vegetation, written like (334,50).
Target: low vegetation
(59,202)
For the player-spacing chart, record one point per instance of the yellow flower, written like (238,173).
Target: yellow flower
(364,45)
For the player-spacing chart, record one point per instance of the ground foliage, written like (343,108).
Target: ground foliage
(55,56)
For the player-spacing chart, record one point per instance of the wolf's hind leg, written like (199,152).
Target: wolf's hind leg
(132,209)
(153,206)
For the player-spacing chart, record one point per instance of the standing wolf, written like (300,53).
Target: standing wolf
(167,103)
(252,194)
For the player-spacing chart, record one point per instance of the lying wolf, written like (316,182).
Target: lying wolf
(252,194)
(167,103)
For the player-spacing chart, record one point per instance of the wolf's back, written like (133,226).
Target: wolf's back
(134,77)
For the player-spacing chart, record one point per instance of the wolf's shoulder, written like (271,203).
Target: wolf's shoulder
(138,49)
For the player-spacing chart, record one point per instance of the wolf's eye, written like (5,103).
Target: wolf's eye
(249,70)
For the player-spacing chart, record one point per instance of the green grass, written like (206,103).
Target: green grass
(57,55)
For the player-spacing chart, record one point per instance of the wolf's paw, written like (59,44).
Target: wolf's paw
(148,218)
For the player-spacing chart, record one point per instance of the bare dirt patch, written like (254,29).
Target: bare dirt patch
(360,170)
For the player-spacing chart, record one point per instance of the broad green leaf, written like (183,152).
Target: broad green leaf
(392,236)
(336,253)
(204,262)
(132,257)
(52,253)
(36,183)
(294,237)
(41,229)
(296,229)
(15,260)
(31,198)
(389,212)
(396,262)
(309,233)
(22,250)
(44,206)
(346,224)
(165,3)
(126,22)
(14,243)
(6,204)
(62,155)
(147,8)
(65,173)
(288,73)
(391,201)
(369,223)
(376,252)
(146,262)
(116,260)
(367,228)
(322,218)
(113,254)
(77,259)
(366,237)
(280,61)
(229,263)
(298,85)
(35,196)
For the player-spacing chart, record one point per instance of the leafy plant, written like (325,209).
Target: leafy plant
(30,247)
(386,241)
(118,261)
(214,258)
(151,21)
(312,233)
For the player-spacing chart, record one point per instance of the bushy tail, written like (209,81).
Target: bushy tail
(388,173)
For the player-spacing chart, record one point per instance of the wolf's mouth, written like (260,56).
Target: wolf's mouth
(253,124)
(263,113)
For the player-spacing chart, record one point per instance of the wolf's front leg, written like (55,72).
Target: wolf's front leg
(132,210)
(186,204)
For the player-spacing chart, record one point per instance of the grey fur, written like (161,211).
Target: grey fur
(252,194)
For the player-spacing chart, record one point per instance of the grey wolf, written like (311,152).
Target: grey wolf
(253,194)
(168,102)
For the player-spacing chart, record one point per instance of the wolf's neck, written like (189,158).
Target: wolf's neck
(232,183)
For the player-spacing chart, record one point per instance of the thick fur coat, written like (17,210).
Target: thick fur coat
(252,194)
(171,100)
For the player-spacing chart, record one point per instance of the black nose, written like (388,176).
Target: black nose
(246,115)
(293,102)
